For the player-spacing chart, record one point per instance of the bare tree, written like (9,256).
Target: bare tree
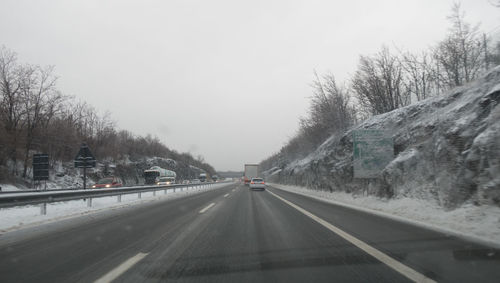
(330,111)
(11,110)
(379,83)
(39,96)
(35,116)
(420,75)
(459,54)
(330,104)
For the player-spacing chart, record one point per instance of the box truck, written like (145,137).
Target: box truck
(251,171)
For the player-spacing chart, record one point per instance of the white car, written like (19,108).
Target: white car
(257,183)
(195,181)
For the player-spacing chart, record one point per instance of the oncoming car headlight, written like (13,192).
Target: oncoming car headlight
(108,185)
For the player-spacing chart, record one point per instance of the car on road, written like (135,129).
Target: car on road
(195,181)
(163,181)
(257,183)
(108,182)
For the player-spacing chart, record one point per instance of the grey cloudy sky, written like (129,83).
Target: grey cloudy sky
(224,79)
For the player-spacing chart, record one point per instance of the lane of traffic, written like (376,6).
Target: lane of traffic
(254,237)
(85,248)
(436,255)
(237,234)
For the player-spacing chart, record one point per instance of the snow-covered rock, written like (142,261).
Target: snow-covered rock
(447,151)
(63,175)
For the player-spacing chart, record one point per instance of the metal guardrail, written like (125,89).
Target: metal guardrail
(44,197)
(37,191)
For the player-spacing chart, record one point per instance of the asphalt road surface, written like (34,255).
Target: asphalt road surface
(233,234)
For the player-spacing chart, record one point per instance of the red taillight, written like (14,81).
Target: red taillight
(252,183)
(262,183)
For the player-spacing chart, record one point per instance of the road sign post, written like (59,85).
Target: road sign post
(84,177)
(84,159)
(40,168)
(372,151)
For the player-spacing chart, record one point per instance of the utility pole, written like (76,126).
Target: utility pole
(84,174)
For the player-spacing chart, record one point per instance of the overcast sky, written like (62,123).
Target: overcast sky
(227,80)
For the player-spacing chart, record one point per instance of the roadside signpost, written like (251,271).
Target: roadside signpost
(372,151)
(84,159)
(40,168)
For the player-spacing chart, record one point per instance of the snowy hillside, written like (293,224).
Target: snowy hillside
(447,150)
(64,176)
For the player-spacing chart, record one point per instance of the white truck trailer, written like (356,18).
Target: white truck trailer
(251,171)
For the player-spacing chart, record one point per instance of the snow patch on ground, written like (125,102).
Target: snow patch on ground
(15,218)
(9,188)
(477,223)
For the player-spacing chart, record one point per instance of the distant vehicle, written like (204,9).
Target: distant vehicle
(215,178)
(153,174)
(108,182)
(163,181)
(257,183)
(195,181)
(251,171)
(203,177)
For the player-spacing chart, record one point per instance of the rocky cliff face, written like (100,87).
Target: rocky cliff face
(447,149)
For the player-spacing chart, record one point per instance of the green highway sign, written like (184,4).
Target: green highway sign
(372,151)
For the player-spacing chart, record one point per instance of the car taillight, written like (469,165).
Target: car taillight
(262,183)
(252,183)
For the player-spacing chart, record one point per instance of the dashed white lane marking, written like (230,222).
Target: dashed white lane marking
(389,261)
(226,195)
(119,270)
(207,208)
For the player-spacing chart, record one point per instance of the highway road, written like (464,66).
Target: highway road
(233,234)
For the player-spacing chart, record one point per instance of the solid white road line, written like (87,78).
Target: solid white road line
(226,195)
(389,261)
(207,208)
(115,273)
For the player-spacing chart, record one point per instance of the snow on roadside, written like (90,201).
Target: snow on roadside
(9,188)
(477,223)
(15,218)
